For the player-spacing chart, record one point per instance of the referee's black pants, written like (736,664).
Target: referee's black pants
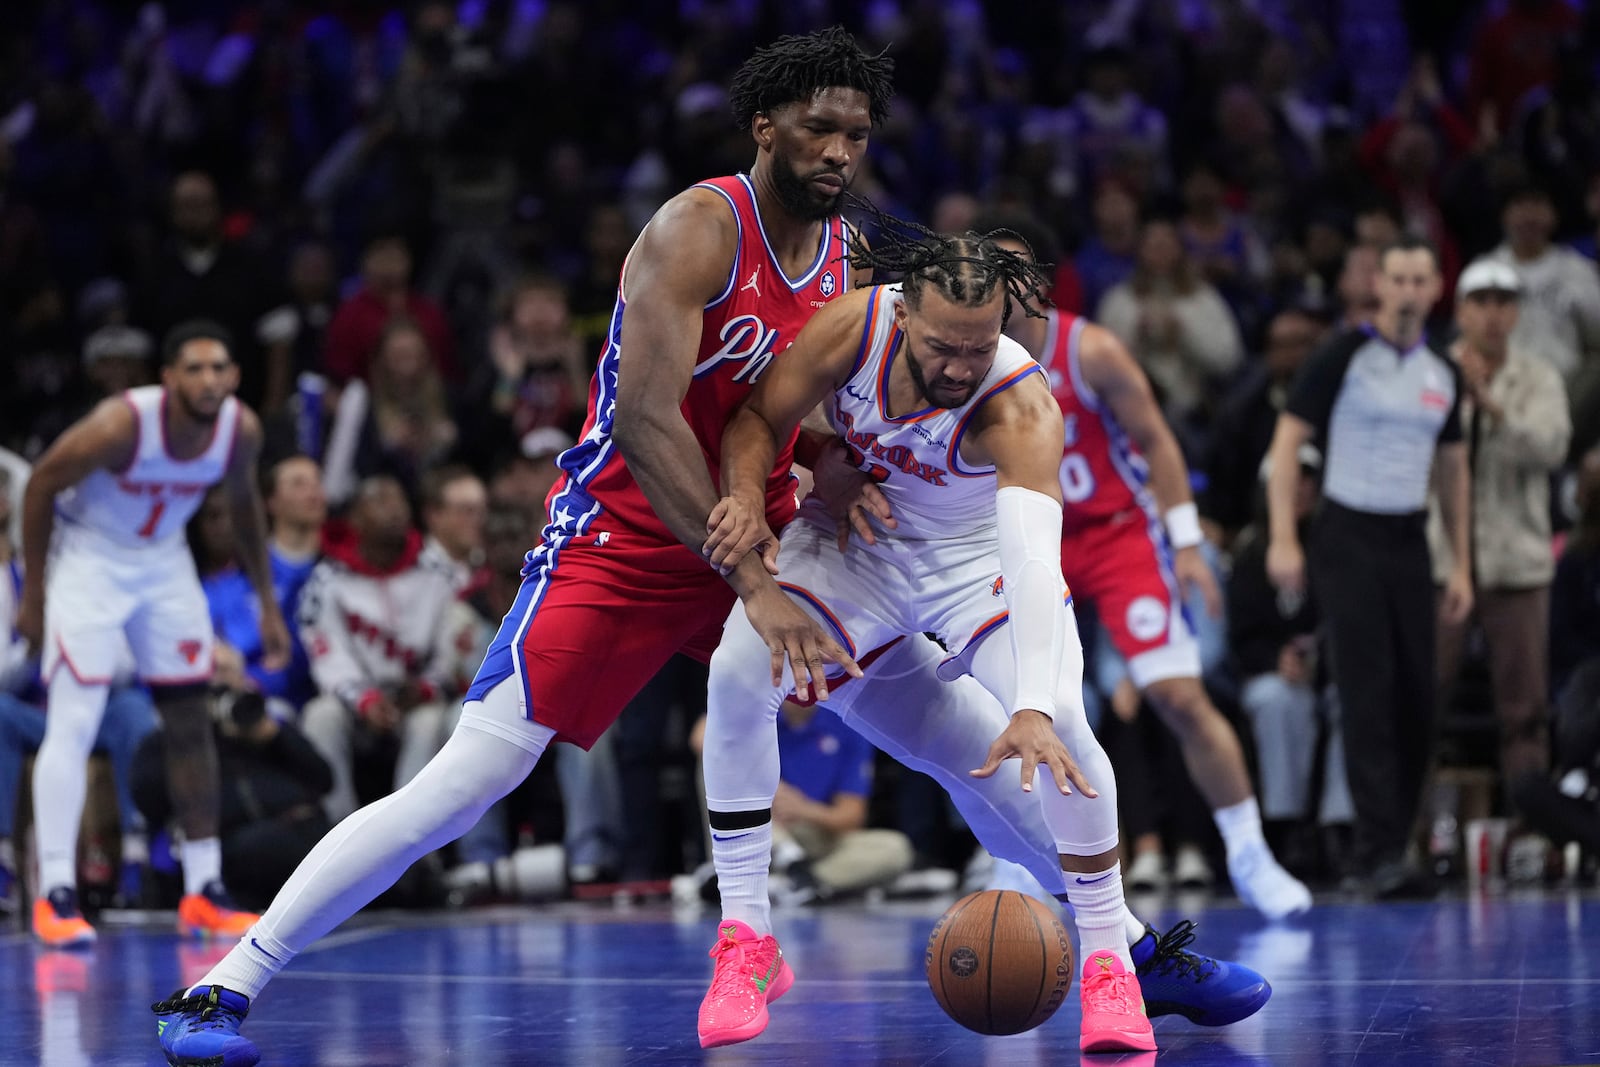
(1373,581)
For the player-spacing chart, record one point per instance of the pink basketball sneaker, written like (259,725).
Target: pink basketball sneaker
(1113,1009)
(750,974)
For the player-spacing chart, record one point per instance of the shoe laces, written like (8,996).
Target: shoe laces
(1105,991)
(209,1011)
(731,972)
(1169,954)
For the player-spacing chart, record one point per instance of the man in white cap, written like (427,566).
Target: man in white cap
(1514,417)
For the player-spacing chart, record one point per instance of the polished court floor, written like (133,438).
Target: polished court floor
(1496,980)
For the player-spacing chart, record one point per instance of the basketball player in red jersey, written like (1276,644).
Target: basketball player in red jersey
(1130,546)
(715,288)
(106,506)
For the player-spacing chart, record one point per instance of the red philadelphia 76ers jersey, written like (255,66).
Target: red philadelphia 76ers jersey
(1102,473)
(754,318)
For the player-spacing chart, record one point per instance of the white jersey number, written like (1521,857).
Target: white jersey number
(1077,480)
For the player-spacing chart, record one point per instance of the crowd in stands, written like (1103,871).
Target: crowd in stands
(412,219)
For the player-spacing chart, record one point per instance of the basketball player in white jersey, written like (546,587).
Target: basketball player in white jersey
(106,567)
(957,424)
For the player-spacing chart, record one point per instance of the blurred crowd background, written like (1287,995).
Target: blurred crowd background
(412,219)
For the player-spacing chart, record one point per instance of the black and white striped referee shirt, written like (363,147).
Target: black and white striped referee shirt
(1379,413)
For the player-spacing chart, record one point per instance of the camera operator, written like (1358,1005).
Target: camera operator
(273,782)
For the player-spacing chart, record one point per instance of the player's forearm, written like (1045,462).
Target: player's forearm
(749,451)
(1029,531)
(38,521)
(250,537)
(666,461)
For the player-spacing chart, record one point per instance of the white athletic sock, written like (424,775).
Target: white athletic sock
(1240,826)
(202,864)
(742,858)
(251,964)
(1132,926)
(1099,911)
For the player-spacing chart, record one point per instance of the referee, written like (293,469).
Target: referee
(1384,404)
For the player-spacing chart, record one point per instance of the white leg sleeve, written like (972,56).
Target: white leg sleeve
(61,775)
(944,729)
(366,853)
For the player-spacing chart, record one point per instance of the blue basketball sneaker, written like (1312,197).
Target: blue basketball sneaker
(201,1029)
(1205,991)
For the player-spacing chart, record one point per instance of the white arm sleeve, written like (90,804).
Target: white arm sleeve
(1030,566)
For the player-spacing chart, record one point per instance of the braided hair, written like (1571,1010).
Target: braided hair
(796,67)
(965,268)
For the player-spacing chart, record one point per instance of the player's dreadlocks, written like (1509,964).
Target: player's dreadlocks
(965,268)
(796,67)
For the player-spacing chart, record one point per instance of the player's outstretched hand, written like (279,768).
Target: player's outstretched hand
(1032,736)
(794,636)
(733,528)
(850,495)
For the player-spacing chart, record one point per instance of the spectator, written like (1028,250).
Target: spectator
(1244,427)
(1515,412)
(525,478)
(1226,251)
(272,784)
(1180,328)
(296,509)
(376,622)
(1107,128)
(1575,588)
(313,290)
(359,326)
(1385,406)
(537,373)
(1357,291)
(410,412)
(1109,253)
(1274,651)
(455,505)
(1515,51)
(117,358)
(1560,304)
(199,274)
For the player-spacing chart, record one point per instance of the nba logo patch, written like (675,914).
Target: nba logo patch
(997,587)
(826,285)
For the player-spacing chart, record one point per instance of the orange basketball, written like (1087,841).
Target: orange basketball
(999,962)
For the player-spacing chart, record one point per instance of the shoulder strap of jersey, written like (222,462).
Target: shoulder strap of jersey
(737,195)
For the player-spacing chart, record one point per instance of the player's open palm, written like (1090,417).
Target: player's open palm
(1031,736)
(793,636)
(734,528)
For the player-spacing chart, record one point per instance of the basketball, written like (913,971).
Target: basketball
(999,962)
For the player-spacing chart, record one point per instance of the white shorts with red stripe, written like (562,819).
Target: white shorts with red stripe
(103,599)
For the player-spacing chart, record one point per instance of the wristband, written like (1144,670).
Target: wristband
(1183,526)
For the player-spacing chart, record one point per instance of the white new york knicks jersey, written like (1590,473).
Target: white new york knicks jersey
(150,500)
(916,457)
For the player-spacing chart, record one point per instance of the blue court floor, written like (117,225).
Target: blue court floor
(1506,980)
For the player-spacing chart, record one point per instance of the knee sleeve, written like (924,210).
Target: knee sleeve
(740,759)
